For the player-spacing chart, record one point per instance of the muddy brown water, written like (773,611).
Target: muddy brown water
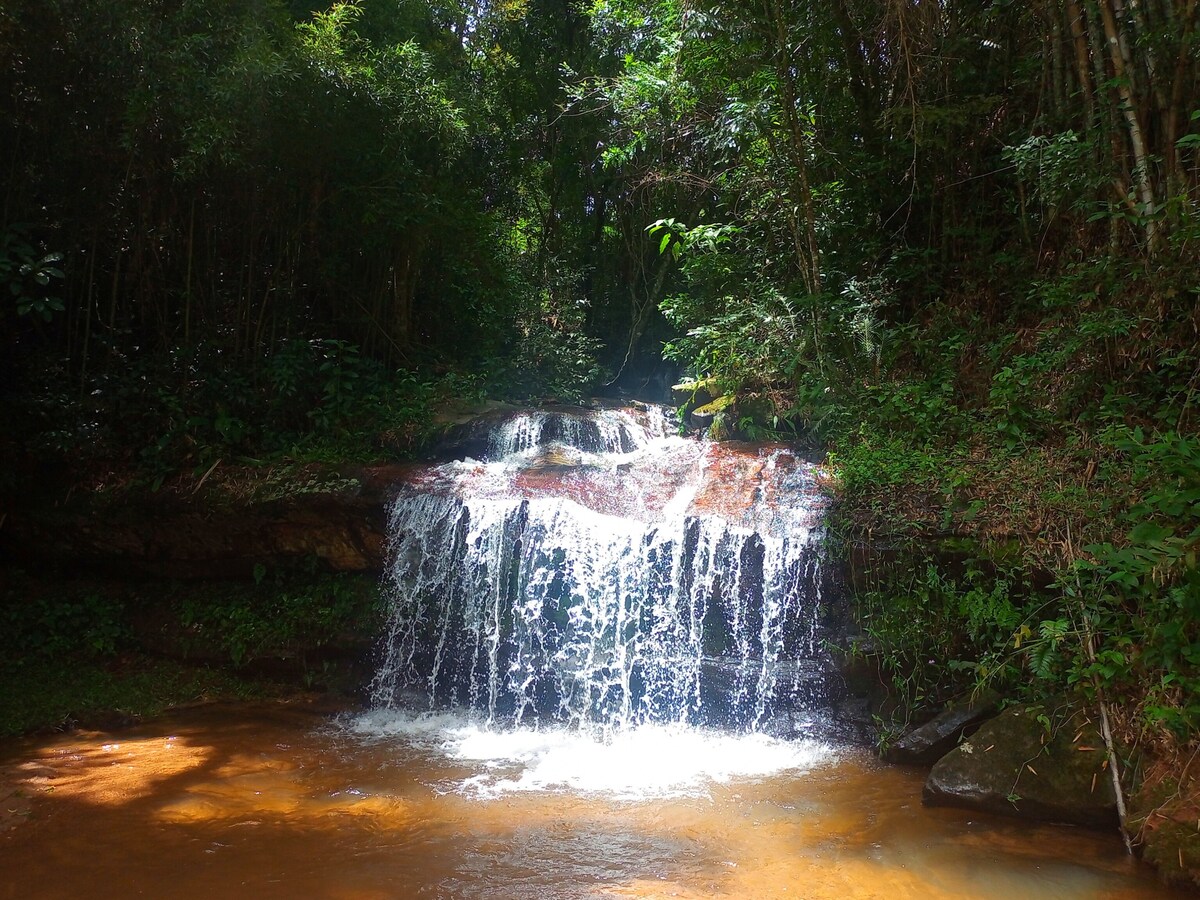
(266,802)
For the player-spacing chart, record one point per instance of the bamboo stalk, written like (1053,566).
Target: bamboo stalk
(1089,648)
(1059,92)
(807,248)
(1175,104)
(1076,25)
(1118,52)
(187,283)
(89,299)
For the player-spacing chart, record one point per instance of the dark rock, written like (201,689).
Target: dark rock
(1014,765)
(927,744)
(106,720)
(468,433)
(338,519)
(1162,817)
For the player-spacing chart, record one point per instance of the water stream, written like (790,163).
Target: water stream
(604,675)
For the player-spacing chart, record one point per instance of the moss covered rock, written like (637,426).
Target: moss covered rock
(712,416)
(926,744)
(1032,762)
(1164,817)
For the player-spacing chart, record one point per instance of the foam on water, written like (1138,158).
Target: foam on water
(651,761)
(605,431)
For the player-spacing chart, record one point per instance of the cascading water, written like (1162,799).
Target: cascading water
(603,431)
(596,572)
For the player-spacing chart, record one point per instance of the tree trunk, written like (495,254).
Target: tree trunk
(1142,174)
(807,249)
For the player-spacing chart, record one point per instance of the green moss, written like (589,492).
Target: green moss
(1038,762)
(61,693)
(1162,820)
(717,406)
(1174,849)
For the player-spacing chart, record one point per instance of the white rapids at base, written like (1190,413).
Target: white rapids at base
(647,762)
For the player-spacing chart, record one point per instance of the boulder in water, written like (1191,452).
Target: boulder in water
(468,432)
(1032,762)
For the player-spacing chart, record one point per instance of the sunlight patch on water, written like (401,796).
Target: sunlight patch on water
(650,761)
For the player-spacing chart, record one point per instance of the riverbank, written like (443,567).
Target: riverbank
(1038,570)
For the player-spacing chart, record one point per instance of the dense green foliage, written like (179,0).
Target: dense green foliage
(226,226)
(958,241)
(282,615)
(84,649)
(287,616)
(46,695)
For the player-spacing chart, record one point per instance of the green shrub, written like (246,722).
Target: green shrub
(280,616)
(39,624)
(936,635)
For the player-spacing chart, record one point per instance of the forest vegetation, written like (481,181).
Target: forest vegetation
(956,243)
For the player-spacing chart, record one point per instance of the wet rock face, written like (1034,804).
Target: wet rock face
(1015,766)
(925,745)
(595,567)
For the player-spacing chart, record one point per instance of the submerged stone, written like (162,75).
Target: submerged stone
(1031,762)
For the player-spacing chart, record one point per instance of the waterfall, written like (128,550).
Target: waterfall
(597,572)
(600,431)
